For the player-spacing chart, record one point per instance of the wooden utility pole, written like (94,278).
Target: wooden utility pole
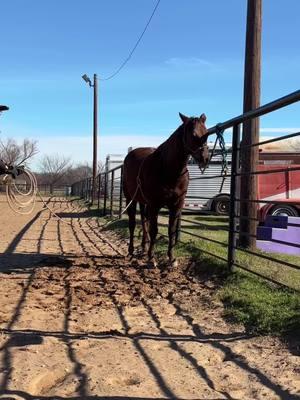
(95,130)
(249,155)
(95,136)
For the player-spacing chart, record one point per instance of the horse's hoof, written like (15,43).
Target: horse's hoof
(174,263)
(152,263)
(142,253)
(145,246)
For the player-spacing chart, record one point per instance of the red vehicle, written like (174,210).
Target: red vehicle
(283,187)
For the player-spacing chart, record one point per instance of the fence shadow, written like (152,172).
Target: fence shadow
(12,261)
(216,340)
(201,272)
(27,396)
(91,213)
(24,262)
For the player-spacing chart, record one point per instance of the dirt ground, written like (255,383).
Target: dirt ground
(79,320)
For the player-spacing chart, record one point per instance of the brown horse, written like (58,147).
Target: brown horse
(159,178)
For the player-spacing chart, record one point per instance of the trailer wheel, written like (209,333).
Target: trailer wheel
(285,210)
(221,205)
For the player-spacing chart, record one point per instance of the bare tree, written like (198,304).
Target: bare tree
(78,173)
(100,167)
(16,154)
(53,168)
(101,170)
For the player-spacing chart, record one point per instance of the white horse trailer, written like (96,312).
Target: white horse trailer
(209,190)
(204,193)
(112,161)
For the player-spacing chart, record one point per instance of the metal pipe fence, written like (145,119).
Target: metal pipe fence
(44,189)
(108,192)
(110,201)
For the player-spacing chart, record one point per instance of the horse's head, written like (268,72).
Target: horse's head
(195,138)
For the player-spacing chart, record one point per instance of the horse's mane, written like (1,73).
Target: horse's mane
(171,157)
(171,139)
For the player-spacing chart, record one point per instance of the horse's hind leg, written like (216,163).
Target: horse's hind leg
(153,214)
(145,226)
(173,233)
(132,221)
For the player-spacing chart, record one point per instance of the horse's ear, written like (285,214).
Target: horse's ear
(203,118)
(184,118)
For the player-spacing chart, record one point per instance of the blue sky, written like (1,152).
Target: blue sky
(190,60)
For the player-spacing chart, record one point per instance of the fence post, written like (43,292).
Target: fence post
(233,190)
(121,193)
(178,230)
(250,154)
(91,189)
(99,185)
(105,192)
(112,193)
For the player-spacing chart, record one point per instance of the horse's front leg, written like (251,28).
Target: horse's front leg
(132,221)
(153,214)
(145,226)
(174,217)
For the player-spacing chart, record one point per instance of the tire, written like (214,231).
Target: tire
(285,210)
(221,205)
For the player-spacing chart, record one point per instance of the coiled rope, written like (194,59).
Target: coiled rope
(219,139)
(222,145)
(21,202)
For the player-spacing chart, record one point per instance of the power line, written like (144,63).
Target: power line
(134,47)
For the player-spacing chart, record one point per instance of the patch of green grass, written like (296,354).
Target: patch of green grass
(261,308)
(213,229)
(119,226)
(211,240)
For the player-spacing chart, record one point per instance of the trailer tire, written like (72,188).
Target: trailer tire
(221,205)
(284,209)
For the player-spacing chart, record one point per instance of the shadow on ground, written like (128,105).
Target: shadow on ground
(115,278)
